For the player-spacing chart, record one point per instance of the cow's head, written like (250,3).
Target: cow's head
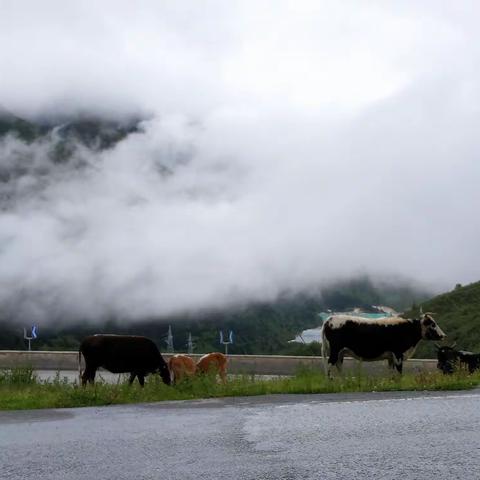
(447,359)
(430,329)
(164,372)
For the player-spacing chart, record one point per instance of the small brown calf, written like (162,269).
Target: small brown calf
(213,362)
(181,366)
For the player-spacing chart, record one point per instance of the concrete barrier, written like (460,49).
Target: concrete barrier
(237,364)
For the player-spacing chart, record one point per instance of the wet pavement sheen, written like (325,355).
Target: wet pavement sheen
(357,436)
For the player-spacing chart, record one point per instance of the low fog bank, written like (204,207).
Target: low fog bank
(181,216)
(246,151)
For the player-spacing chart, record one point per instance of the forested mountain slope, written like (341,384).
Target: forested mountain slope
(458,314)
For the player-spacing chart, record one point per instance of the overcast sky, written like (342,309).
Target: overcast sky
(307,142)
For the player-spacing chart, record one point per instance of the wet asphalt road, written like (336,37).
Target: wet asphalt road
(342,436)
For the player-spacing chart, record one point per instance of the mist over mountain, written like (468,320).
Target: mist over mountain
(53,169)
(171,159)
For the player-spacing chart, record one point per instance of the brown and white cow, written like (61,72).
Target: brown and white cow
(393,338)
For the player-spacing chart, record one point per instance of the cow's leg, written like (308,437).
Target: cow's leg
(88,374)
(141,378)
(132,377)
(397,360)
(325,353)
(391,363)
(335,358)
(84,377)
(223,374)
(339,363)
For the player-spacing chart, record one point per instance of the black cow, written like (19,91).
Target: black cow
(392,338)
(449,358)
(119,354)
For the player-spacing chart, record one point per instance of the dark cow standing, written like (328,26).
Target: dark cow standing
(448,359)
(391,338)
(122,353)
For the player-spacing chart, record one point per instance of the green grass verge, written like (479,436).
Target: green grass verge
(20,389)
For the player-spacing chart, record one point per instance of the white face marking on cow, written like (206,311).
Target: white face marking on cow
(338,321)
(430,329)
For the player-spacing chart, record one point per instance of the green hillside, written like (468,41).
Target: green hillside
(458,314)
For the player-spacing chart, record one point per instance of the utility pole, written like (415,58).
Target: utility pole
(33,336)
(190,343)
(226,342)
(169,340)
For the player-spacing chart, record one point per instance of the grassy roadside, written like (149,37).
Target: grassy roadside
(20,389)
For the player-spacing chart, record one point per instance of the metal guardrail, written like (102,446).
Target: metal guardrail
(237,364)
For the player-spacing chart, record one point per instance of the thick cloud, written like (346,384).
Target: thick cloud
(289,144)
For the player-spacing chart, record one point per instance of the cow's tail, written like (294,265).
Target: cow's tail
(325,350)
(80,365)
